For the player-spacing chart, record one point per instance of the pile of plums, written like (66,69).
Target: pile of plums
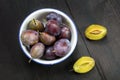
(49,41)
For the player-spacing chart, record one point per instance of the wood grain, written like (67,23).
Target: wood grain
(14,64)
(106,51)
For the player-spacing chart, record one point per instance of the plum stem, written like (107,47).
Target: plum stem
(34,21)
(30,60)
(40,33)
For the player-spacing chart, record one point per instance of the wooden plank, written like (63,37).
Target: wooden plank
(106,51)
(14,64)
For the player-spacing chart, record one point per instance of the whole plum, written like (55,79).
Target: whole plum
(29,37)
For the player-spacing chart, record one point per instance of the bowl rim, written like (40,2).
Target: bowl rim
(51,62)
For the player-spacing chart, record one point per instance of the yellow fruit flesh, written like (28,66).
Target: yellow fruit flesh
(84,64)
(95,32)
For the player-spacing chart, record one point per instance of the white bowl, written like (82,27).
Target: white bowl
(40,14)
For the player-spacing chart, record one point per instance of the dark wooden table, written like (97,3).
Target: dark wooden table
(106,52)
